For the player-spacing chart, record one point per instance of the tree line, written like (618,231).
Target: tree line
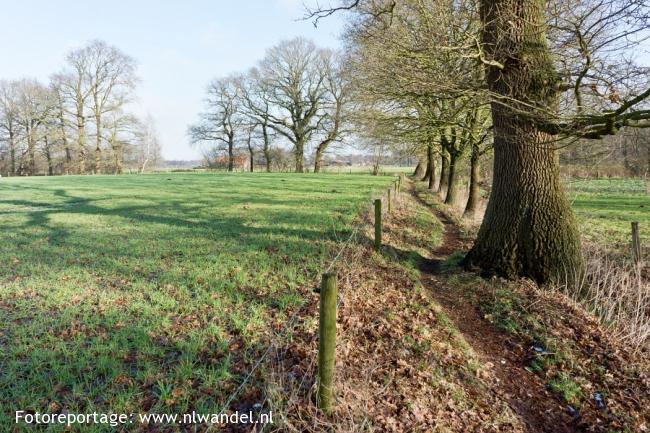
(298,94)
(77,123)
(522,79)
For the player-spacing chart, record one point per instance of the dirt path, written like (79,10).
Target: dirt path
(522,390)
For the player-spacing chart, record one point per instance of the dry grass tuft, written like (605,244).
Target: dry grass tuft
(618,294)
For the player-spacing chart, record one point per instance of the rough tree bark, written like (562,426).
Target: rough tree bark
(31,148)
(48,156)
(266,149)
(299,152)
(419,170)
(98,144)
(451,196)
(81,139)
(431,167)
(474,179)
(251,153)
(427,172)
(12,152)
(65,142)
(318,159)
(444,172)
(231,152)
(529,229)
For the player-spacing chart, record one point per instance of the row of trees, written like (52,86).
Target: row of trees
(298,94)
(530,76)
(77,123)
(402,84)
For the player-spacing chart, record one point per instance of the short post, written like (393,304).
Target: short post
(390,204)
(327,341)
(378,224)
(636,243)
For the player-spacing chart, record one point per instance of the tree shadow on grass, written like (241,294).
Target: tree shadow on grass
(125,310)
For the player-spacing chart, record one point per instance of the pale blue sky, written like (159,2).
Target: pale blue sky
(179,45)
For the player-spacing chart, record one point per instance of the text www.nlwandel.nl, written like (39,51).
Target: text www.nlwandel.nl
(117,419)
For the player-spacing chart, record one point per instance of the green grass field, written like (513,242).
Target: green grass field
(606,207)
(154,293)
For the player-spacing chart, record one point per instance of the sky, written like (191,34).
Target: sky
(179,45)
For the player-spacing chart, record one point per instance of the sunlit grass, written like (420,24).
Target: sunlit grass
(606,207)
(145,293)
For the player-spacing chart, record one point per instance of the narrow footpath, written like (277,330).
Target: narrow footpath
(503,357)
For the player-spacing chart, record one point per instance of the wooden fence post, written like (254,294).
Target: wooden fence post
(390,204)
(378,224)
(636,243)
(327,342)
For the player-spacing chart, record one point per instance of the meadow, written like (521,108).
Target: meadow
(606,207)
(156,292)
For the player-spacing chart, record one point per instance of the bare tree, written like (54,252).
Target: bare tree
(148,146)
(295,71)
(57,88)
(223,118)
(111,76)
(75,87)
(335,105)
(34,107)
(98,79)
(122,130)
(256,106)
(9,115)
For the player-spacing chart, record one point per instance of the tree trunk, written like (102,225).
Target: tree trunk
(451,197)
(444,173)
(431,166)
(66,143)
(318,159)
(317,162)
(427,172)
(266,150)
(118,160)
(252,158)
(48,157)
(529,229)
(474,178)
(81,141)
(68,155)
(31,150)
(299,155)
(419,170)
(98,145)
(647,147)
(12,152)
(231,154)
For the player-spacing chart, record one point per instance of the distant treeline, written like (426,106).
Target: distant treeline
(78,122)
